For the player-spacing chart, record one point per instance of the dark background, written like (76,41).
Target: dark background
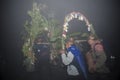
(103,14)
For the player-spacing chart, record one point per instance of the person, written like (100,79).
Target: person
(74,60)
(42,55)
(96,57)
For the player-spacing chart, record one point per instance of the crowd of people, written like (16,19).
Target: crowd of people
(78,66)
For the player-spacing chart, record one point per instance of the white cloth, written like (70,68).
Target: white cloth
(67,59)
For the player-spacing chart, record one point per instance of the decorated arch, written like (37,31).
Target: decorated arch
(39,25)
(80,17)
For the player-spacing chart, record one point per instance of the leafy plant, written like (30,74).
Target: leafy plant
(37,25)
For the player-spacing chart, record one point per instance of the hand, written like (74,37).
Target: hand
(62,51)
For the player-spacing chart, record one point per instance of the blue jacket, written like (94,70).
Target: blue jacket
(78,55)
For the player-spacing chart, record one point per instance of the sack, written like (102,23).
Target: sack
(72,70)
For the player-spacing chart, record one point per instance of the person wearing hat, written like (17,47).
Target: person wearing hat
(42,61)
(96,56)
(74,61)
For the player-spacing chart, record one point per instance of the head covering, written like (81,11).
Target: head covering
(69,40)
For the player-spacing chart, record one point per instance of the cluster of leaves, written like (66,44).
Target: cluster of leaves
(34,27)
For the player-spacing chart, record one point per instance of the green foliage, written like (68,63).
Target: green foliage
(34,27)
(38,22)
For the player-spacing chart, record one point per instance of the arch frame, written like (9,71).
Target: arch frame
(71,16)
